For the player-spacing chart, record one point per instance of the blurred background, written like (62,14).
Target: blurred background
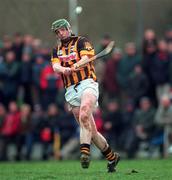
(135,112)
(124,20)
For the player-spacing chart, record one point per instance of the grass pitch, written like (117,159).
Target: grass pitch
(71,170)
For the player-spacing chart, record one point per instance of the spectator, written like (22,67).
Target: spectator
(18,46)
(149,37)
(105,40)
(161,64)
(7,45)
(110,83)
(2,78)
(49,128)
(66,122)
(38,65)
(100,69)
(170,65)
(50,83)
(138,85)
(26,78)
(11,79)
(144,123)
(28,40)
(169,49)
(24,138)
(126,66)
(2,119)
(36,46)
(69,139)
(164,121)
(168,34)
(10,130)
(113,123)
(2,115)
(37,119)
(45,51)
(149,57)
(128,134)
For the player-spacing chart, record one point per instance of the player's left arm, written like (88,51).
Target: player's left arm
(85,50)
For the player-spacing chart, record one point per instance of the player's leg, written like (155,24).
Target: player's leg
(100,142)
(88,102)
(82,115)
(97,138)
(106,150)
(84,145)
(85,137)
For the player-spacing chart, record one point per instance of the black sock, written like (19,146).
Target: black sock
(85,148)
(109,154)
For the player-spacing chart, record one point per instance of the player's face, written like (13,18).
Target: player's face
(63,33)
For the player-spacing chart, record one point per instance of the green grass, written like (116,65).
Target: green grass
(71,170)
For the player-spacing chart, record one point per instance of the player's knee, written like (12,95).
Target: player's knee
(86,125)
(84,120)
(84,111)
(84,117)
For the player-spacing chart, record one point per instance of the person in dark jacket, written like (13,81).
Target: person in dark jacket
(18,46)
(110,83)
(149,56)
(143,122)
(11,78)
(24,137)
(126,67)
(38,65)
(160,64)
(138,85)
(113,123)
(26,78)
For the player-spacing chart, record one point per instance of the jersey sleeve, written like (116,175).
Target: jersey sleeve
(85,47)
(54,57)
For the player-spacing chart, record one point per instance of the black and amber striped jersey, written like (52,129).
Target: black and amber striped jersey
(72,53)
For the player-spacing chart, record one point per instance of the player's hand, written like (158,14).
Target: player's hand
(67,71)
(75,67)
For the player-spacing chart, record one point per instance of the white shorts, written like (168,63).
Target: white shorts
(73,93)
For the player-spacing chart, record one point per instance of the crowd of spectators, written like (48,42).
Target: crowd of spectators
(135,98)
(136,94)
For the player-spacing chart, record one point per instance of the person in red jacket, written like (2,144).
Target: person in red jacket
(10,128)
(50,83)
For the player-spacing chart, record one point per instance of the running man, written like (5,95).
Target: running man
(81,89)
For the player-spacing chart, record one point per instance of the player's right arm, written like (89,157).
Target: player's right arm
(56,64)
